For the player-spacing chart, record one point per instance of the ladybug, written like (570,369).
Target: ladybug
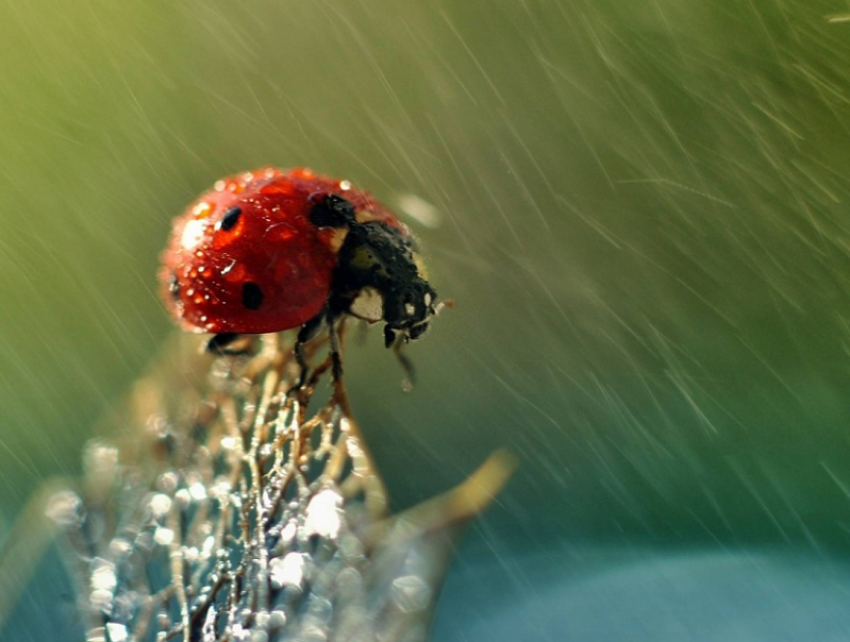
(270,250)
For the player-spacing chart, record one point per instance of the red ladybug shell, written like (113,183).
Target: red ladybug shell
(265,268)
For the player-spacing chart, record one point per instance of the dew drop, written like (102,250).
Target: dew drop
(202,210)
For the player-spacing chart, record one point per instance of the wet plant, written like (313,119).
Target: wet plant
(234,505)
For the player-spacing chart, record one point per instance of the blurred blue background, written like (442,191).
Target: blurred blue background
(642,218)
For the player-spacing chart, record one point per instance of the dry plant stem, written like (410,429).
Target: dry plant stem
(147,609)
(177,579)
(275,518)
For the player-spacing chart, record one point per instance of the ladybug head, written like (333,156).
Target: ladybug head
(408,308)
(378,277)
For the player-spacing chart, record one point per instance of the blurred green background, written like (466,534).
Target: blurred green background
(643,221)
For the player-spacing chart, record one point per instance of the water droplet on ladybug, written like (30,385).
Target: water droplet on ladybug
(202,210)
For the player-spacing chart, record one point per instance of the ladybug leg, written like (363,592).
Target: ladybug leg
(397,342)
(305,334)
(220,342)
(389,336)
(336,359)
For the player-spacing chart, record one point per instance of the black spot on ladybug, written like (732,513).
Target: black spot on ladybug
(332,211)
(252,296)
(174,287)
(230,219)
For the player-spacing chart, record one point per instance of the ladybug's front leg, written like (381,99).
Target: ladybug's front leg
(336,358)
(397,341)
(307,332)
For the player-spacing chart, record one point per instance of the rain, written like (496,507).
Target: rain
(637,209)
